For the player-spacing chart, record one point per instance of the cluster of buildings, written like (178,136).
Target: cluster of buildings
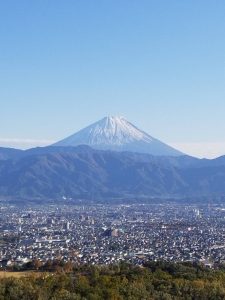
(105,234)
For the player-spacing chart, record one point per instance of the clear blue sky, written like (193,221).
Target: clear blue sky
(161,64)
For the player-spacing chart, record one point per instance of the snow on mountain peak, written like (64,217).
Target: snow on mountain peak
(116,131)
(118,134)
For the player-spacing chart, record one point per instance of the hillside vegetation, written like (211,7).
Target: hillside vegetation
(153,281)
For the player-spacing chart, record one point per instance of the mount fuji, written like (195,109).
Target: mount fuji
(118,134)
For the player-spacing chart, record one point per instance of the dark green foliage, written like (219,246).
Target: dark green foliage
(156,280)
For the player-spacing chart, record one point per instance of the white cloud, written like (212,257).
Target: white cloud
(24,143)
(201,149)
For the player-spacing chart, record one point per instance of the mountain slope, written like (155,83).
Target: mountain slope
(117,134)
(9,153)
(84,173)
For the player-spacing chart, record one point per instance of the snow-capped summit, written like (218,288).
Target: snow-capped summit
(117,134)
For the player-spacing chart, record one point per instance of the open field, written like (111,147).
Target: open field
(7,274)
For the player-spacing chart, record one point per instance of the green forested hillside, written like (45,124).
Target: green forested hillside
(154,281)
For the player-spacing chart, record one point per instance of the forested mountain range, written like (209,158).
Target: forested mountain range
(85,173)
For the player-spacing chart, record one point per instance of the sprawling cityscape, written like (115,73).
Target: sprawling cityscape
(107,234)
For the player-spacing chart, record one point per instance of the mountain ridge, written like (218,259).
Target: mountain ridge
(85,173)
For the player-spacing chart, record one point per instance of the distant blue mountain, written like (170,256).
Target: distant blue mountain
(85,173)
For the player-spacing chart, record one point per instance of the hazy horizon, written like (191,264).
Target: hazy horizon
(214,150)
